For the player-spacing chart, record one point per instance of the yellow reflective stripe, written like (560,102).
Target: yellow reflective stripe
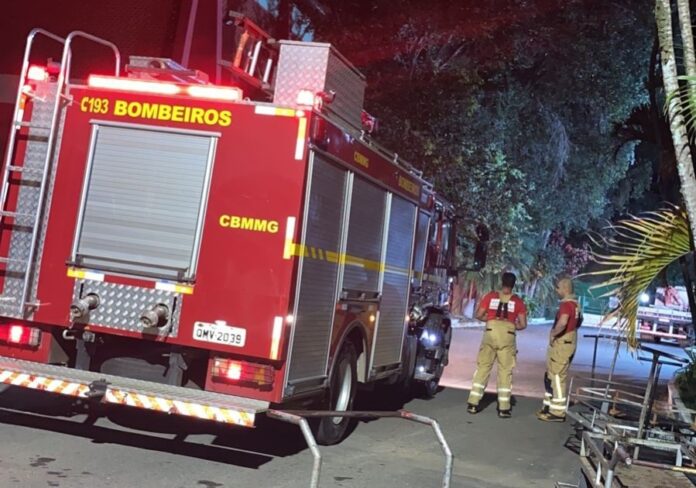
(84,274)
(281,112)
(174,287)
(291,249)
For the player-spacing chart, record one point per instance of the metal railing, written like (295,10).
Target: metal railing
(299,418)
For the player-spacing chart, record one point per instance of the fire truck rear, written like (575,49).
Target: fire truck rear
(171,245)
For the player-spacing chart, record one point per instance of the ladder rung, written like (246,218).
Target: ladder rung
(29,124)
(10,260)
(24,169)
(15,215)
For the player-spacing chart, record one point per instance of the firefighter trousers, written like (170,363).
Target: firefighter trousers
(499,345)
(558,359)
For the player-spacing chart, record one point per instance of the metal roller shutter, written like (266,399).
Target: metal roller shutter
(318,280)
(365,231)
(144,200)
(392,310)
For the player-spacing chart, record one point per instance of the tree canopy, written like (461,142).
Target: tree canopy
(510,106)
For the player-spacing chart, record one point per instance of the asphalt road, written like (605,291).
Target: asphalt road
(44,444)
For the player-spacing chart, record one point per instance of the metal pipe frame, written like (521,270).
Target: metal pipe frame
(619,455)
(17,108)
(291,415)
(63,80)
(301,422)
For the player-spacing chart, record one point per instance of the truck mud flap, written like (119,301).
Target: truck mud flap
(147,395)
(299,418)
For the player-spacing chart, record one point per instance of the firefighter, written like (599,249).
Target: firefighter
(562,345)
(504,313)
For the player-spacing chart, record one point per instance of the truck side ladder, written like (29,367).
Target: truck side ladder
(33,178)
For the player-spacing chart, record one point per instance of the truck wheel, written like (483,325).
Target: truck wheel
(428,389)
(332,430)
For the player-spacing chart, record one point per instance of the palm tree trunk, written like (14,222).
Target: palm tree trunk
(680,139)
(687,36)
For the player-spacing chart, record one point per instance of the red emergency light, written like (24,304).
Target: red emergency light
(211,92)
(20,335)
(130,84)
(232,371)
(230,93)
(37,73)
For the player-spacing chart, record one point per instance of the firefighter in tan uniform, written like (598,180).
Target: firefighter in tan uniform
(562,344)
(504,313)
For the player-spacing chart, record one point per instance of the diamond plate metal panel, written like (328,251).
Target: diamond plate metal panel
(319,67)
(121,305)
(29,182)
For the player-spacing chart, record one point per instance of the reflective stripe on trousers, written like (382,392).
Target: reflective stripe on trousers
(558,361)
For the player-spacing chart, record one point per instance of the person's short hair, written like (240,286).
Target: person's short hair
(509,280)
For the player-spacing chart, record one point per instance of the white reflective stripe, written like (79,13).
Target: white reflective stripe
(54,385)
(559,400)
(503,398)
(547,403)
(558,384)
(557,408)
(301,134)
(21,378)
(504,389)
(475,393)
(164,405)
(479,385)
(547,394)
(145,401)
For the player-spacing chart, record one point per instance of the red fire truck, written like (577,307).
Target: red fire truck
(169,244)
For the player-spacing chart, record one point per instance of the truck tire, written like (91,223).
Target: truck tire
(428,389)
(342,388)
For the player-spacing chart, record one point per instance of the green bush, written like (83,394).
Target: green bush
(686,381)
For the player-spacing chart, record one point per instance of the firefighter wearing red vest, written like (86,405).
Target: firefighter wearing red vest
(562,345)
(504,313)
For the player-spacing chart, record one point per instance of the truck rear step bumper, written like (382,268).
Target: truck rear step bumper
(134,393)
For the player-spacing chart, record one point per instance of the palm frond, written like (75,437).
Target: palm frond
(639,249)
(685,98)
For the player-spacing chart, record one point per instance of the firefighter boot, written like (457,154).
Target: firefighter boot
(548,394)
(549,417)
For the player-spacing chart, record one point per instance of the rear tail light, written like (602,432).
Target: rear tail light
(243,372)
(20,335)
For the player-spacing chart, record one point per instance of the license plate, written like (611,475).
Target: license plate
(219,333)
